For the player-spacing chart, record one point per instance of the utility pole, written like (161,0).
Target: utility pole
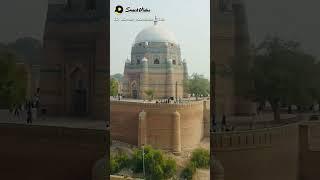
(176,91)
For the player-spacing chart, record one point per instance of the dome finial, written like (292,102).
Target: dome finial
(155,20)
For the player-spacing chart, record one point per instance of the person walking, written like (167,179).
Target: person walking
(16,112)
(29,116)
(224,122)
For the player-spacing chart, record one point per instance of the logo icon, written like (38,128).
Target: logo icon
(119,9)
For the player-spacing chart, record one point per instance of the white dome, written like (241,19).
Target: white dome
(155,33)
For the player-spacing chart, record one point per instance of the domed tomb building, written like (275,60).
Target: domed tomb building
(156,65)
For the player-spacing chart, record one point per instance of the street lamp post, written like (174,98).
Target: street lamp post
(144,172)
(176,91)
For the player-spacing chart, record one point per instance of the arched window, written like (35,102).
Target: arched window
(174,62)
(156,61)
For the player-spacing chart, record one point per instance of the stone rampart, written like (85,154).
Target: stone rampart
(48,152)
(160,124)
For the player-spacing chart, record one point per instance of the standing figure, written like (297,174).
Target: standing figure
(16,111)
(29,115)
(224,121)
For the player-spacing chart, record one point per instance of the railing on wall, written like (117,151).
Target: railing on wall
(261,138)
(159,105)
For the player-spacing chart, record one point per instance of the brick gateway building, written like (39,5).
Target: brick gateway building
(74,71)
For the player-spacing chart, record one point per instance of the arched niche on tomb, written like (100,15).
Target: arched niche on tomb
(78,91)
(134,89)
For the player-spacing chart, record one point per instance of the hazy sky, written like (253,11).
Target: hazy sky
(20,18)
(289,19)
(292,19)
(188,20)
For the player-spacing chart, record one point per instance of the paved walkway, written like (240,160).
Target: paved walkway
(266,120)
(69,122)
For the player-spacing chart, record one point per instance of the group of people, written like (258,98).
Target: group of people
(118,97)
(224,125)
(25,110)
(169,100)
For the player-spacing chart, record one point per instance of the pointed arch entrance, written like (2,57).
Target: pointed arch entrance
(79,92)
(134,90)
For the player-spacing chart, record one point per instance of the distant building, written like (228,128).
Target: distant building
(155,64)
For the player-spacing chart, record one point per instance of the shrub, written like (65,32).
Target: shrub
(201,158)
(114,166)
(136,161)
(118,162)
(157,165)
(188,172)
(169,168)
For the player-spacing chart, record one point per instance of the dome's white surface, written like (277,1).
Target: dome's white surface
(155,33)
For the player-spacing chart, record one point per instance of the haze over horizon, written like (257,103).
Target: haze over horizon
(292,19)
(190,27)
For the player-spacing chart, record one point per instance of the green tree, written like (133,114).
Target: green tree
(114,86)
(201,158)
(119,162)
(157,165)
(197,85)
(117,76)
(13,80)
(29,48)
(315,85)
(187,173)
(280,71)
(149,93)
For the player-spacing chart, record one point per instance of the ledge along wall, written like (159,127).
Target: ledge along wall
(51,153)
(173,127)
(309,154)
(264,154)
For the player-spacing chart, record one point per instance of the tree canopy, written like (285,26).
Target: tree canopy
(149,93)
(114,86)
(117,76)
(157,165)
(13,81)
(200,158)
(198,85)
(284,74)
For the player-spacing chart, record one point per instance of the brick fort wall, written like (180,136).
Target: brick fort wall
(160,125)
(51,153)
